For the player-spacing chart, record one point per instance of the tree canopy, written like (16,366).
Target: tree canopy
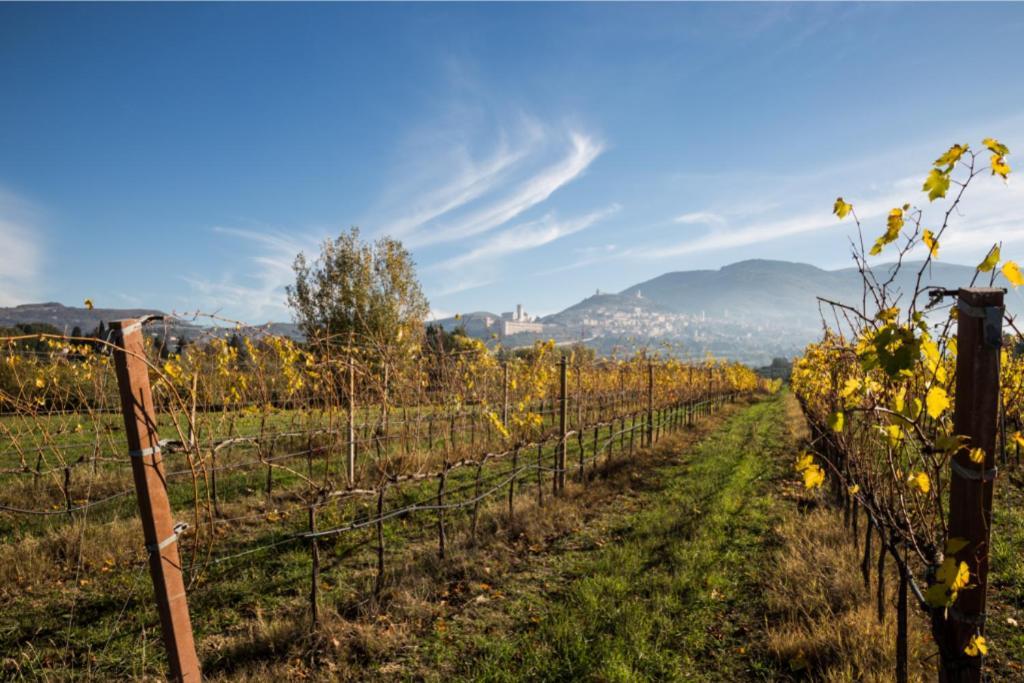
(360,290)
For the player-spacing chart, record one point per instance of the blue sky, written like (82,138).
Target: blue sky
(178,156)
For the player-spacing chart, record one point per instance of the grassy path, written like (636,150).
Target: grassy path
(664,586)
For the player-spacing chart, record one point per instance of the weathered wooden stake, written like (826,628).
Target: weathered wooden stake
(563,405)
(865,563)
(350,465)
(650,405)
(512,487)
(158,526)
(378,584)
(441,536)
(314,588)
(902,632)
(979,341)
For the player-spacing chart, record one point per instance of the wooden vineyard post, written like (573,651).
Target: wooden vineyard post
(158,528)
(650,405)
(314,579)
(350,465)
(979,340)
(512,488)
(579,419)
(504,400)
(563,404)
(689,414)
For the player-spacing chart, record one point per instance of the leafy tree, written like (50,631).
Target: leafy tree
(364,291)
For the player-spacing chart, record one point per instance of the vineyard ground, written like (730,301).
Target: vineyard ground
(707,563)
(703,560)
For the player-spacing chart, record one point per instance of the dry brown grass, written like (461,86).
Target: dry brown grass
(37,558)
(821,620)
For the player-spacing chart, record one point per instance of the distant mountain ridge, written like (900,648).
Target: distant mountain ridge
(750,310)
(783,289)
(67,318)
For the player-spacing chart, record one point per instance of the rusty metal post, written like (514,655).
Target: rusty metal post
(979,340)
(158,527)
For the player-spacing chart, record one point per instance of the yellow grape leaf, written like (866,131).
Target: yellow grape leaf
(996,147)
(888,314)
(40,382)
(921,482)
(948,443)
(855,489)
(947,571)
(976,647)
(841,208)
(963,576)
(931,243)
(1012,272)
(917,409)
(894,223)
(937,402)
(804,462)
(850,387)
(895,434)
(936,184)
(899,401)
(814,476)
(1018,439)
(951,156)
(835,421)
(933,358)
(977,455)
(991,260)
(955,545)
(1000,167)
(937,595)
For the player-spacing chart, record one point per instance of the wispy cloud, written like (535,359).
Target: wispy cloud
(258,293)
(527,236)
(503,206)
(462,285)
(991,211)
(471,180)
(20,254)
(478,196)
(456,184)
(700,218)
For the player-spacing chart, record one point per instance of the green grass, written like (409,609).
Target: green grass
(666,591)
(1006,580)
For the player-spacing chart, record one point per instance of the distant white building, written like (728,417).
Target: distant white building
(518,322)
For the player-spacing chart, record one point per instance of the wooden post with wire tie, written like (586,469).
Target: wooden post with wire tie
(979,343)
(563,404)
(350,465)
(158,527)
(650,405)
